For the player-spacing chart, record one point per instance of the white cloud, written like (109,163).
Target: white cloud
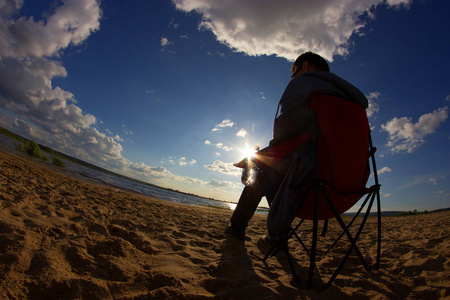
(223,124)
(227,148)
(93,140)
(404,135)
(180,162)
(208,142)
(223,147)
(447,98)
(225,168)
(242,133)
(374,107)
(183,162)
(384,170)
(165,42)
(195,181)
(70,23)
(222,184)
(213,183)
(414,181)
(434,180)
(398,3)
(169,161)
(172,23)
(158,173)
(285,28)
(118,138)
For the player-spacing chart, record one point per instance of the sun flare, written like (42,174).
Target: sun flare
(249,151)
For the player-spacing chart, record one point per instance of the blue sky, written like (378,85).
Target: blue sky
(170,92)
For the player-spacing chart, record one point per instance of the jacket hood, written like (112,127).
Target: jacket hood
(344,86)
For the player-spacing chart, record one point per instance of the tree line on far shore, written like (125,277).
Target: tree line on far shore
(415,212)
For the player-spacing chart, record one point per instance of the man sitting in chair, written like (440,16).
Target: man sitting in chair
(310,75)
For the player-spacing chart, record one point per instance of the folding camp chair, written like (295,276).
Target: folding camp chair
(343,154)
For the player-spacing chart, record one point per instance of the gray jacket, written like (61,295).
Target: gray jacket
(293,106)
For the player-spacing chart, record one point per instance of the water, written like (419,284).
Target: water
(98,177)
(88,174)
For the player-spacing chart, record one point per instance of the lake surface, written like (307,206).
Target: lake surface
(99,177)
(85,173)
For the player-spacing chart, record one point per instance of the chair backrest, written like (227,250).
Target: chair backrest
(342,154)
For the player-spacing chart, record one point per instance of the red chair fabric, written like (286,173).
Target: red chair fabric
(342,152)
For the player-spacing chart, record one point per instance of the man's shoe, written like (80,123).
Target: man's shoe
(268,240)
(265,243)
(239,234)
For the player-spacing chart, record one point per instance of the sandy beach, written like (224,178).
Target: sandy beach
(63,238)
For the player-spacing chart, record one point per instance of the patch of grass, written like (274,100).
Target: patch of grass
(12,135)
(58,161)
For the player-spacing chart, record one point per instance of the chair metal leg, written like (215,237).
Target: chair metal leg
(377,191)
(349,224)
(282,242)
(312,261)
(289,258)
(377,266)
(272,251)
(294,233)
(325,228)
(353,242)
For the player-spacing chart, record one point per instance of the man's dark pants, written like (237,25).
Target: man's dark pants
(248,203)
(267,184)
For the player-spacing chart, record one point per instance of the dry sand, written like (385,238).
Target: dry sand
(62,238)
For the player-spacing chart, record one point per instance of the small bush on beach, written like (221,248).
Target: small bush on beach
(32,149)
(58,161)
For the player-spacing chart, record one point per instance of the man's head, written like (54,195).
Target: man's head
(307,62)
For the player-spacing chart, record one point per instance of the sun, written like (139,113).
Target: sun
(249,151)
